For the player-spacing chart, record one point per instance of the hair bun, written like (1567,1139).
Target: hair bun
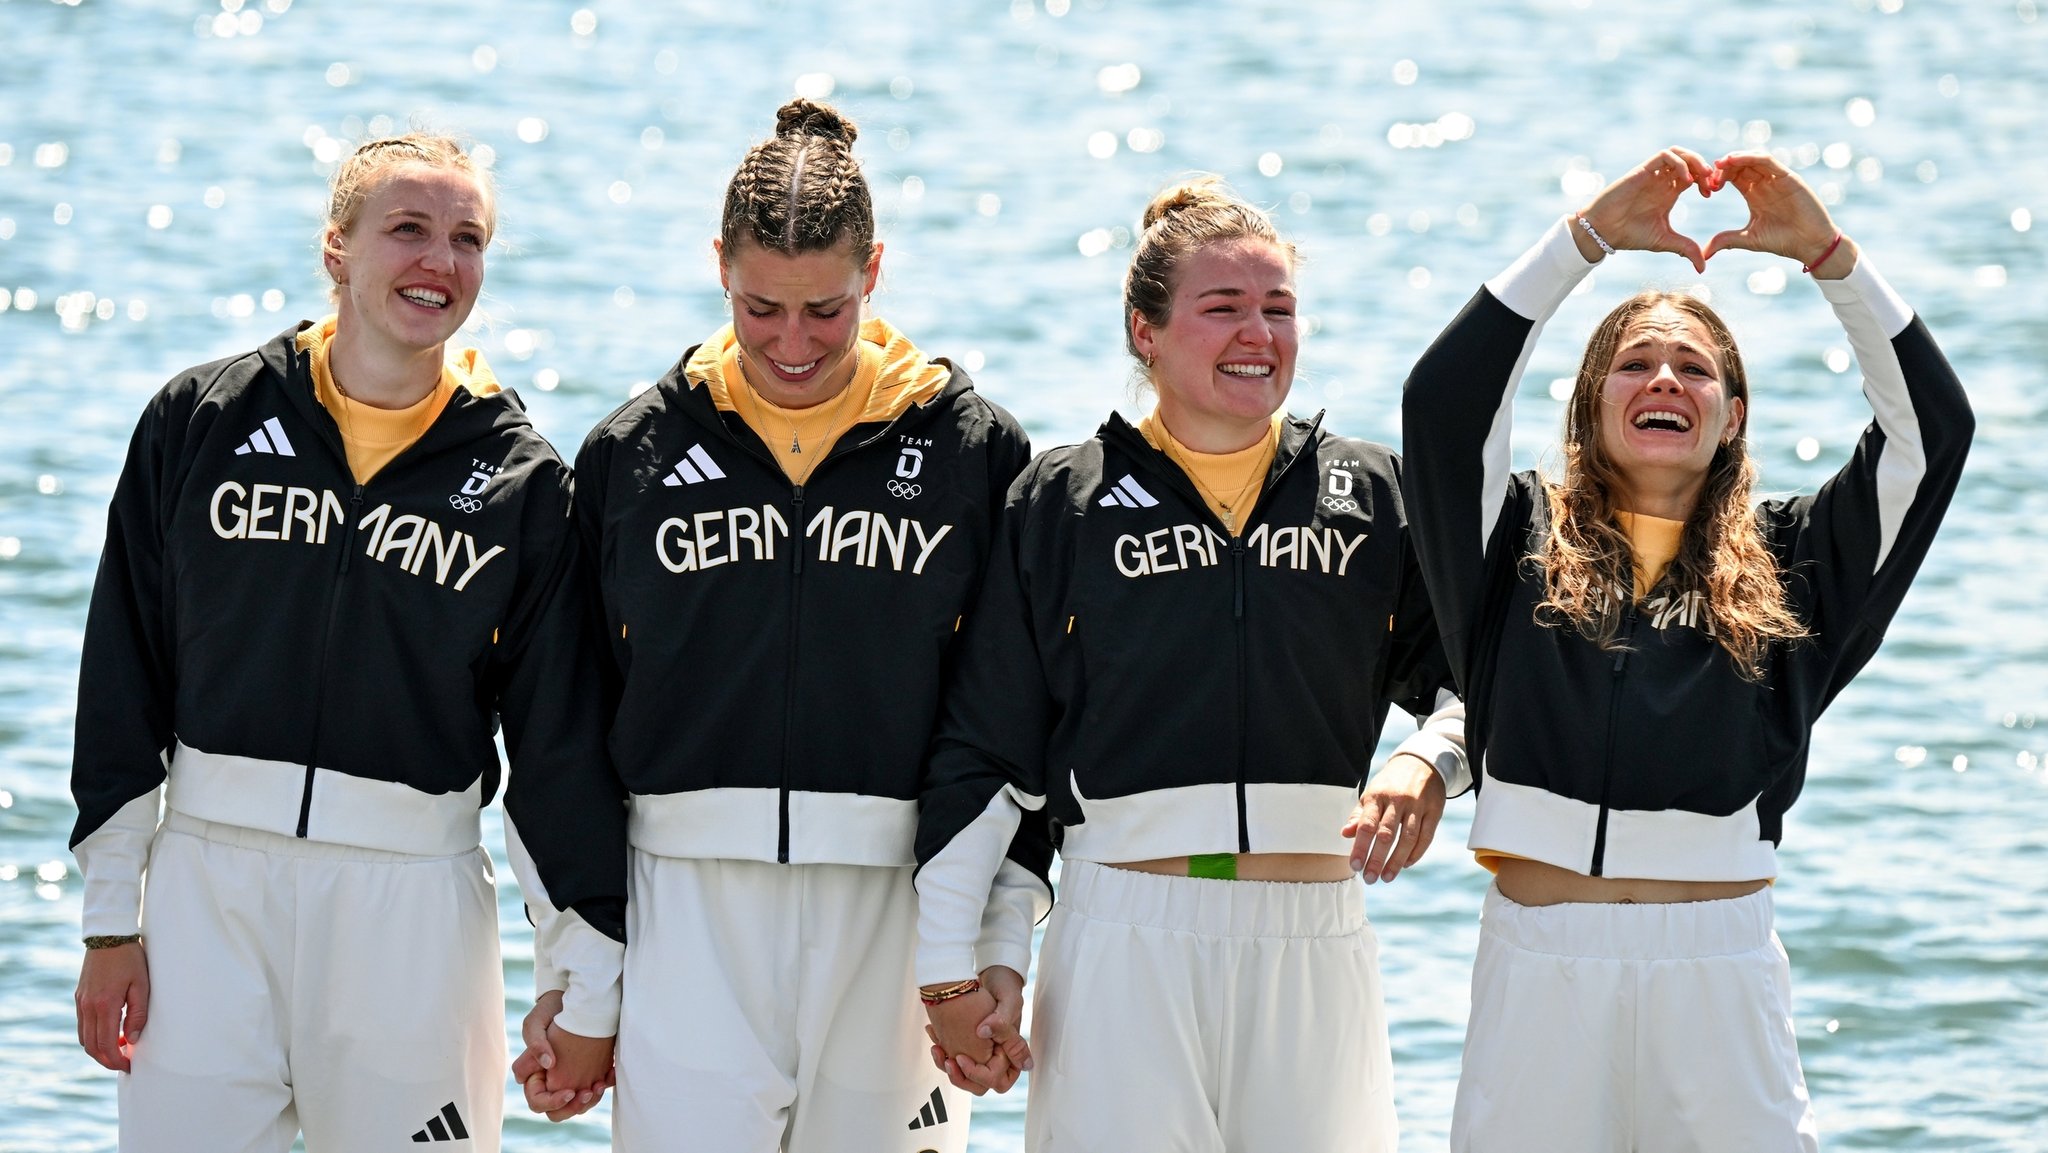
(802,117)
(1189,195)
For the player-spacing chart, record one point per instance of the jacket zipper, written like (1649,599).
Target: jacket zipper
(1613,720)
(348,551)
(1244,831)
(796,572)
(796,586)
(1140,450)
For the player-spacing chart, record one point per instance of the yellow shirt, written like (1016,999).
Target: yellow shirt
(892,375)
(373,436)
(1230,482)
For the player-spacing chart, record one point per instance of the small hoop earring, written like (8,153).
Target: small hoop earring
(728,294)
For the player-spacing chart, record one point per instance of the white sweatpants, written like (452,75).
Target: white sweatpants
(1187,1015)
(773,1007)
(1603,1028)
(352,994)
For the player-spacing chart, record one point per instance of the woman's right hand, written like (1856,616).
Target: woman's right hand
(1634,212)
(977,1039)
(113,1002)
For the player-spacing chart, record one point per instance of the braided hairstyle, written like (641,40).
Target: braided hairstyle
(1183,219)
(801,191)
(368,166)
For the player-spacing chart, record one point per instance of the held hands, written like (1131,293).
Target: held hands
(113,1003)
(564,1074)
(1396,818)
(1786,218)
(976,1040)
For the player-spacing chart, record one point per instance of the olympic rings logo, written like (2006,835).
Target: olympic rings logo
(1335,504)
(906,491)
(465,503)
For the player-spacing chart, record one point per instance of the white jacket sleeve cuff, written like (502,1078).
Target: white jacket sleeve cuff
(112,859)
(1440,740)
(954,893)
(1536,283)
(568,954)
(1017,901)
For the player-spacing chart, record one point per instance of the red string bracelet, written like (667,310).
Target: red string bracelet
(1837,243)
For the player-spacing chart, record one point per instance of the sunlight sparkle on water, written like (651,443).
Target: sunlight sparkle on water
(1807,448)
(1102,145)
(2022,220)
(1118,78)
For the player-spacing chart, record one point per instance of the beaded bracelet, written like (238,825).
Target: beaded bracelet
(1834,244)
(946,993)
(1597,238)
(112,942)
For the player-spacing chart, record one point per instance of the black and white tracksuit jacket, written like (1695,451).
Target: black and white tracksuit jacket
(274,647)
(1660,761)
(1139,684)
(777,650)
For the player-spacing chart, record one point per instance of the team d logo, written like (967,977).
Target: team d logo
(909,463)
(470,497)
(1337,491)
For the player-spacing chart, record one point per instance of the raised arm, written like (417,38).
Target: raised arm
(1853,548)
(1457,406)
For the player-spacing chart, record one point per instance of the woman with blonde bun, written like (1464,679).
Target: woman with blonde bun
(1190,634)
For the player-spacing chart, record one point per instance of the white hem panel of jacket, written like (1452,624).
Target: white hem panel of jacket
(1872,314)
(252,793)
(568,955)
(1532,287)
(1440,739)
(745,825)
(1192,819)
(112,859)
(975,906)
(1660,844)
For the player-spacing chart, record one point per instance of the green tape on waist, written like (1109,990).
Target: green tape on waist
(1214,866)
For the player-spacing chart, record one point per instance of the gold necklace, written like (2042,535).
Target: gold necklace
(1252,477)
(796,444)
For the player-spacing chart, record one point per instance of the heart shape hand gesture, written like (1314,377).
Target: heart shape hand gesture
(1786,218)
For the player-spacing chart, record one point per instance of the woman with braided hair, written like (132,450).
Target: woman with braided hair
(789,528)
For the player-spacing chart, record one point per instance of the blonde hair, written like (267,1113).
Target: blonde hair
(1183,219)
(1586,556)
(367,167)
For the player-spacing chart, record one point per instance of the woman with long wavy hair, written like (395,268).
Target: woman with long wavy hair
(1643,652)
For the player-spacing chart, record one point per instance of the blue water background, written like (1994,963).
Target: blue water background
(162,178)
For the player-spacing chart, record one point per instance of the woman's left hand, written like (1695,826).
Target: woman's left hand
(1396,818)
(1786,218)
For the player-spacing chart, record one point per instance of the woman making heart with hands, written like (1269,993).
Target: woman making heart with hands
(1643,653)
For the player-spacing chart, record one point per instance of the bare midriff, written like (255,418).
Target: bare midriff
(1257,866)
(1534,883)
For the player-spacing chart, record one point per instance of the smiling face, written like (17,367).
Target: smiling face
(1223,359)
(797,316)
(408,270)
(1664,405)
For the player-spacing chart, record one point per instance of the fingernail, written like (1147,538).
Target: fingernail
(1026,1066)
(547,1060)
(1357,866)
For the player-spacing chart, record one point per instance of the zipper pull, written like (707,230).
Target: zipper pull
(1628,633)
(355,510)
(796,529)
